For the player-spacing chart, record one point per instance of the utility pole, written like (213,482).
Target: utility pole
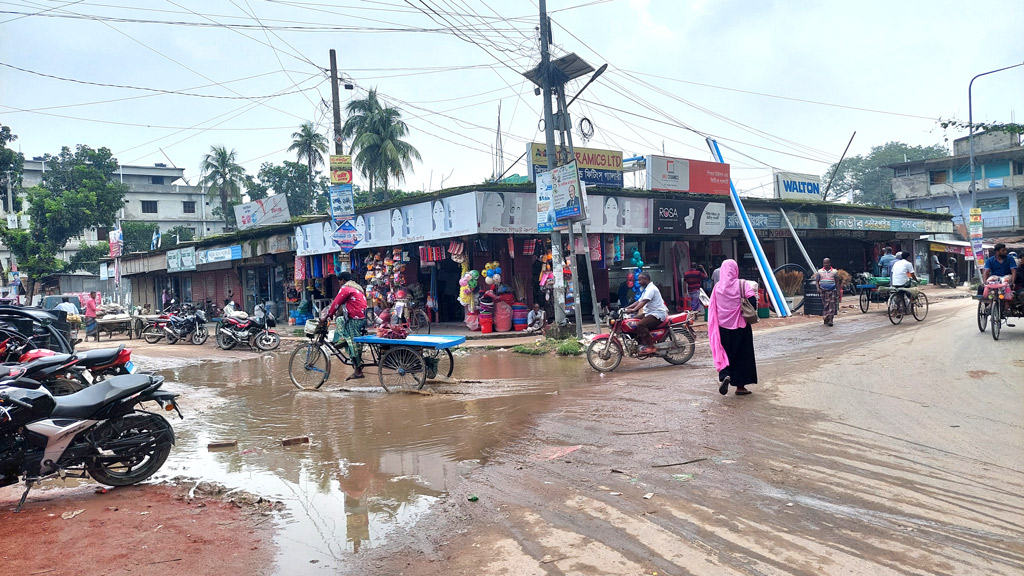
(336,99)
(10,210)
(549,141)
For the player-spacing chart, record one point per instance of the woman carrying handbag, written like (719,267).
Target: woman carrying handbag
(729,331)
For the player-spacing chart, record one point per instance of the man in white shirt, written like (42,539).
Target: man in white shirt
(654,312)
(903,272)
(535,319)
(66,306)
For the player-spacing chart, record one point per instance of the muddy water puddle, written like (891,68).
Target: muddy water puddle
(374,463)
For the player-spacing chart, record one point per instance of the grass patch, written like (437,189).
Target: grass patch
(569,347)
(532,349)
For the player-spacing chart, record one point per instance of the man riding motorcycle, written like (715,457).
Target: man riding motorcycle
(654,312)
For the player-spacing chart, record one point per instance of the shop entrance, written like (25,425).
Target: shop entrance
(448,274)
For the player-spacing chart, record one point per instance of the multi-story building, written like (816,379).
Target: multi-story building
(935,184)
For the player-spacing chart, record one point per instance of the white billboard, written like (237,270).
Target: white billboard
(428,220)
(791,185)
(506,212)
(270,210)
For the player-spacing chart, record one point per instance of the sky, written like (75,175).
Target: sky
(782,85)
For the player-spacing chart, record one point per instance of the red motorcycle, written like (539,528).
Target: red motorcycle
(674,340)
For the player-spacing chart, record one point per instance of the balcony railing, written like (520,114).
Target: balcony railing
(1001,223)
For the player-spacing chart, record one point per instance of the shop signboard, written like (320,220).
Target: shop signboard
(882,224)
(666,174)
(173,261)
(219,254)
(689,217)
(789,185)
(270,210)
(313,239)
(976,230)
(428,220)
(343,206)
(951,249)
(188,259)
(758,220)
(601,168)
(506,212)
(280,243)
(341,169)
(567,193)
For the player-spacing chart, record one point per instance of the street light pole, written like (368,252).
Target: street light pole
(970,137)
(549,142)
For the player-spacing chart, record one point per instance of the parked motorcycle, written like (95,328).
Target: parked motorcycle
(256,330)
(948,277)
(93,365)
(674,341)
(191,325)
(100,431)
(57,372)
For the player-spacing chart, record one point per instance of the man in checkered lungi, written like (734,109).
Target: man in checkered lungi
(828,287)
(352,324)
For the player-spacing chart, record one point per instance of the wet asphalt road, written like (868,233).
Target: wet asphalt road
(867,449)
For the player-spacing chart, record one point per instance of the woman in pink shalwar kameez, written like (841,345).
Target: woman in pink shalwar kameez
(732,340)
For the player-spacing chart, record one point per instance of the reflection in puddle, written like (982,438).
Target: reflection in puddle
(376,462)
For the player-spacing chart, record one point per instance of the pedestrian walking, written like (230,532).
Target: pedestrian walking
(694,278)
(825,280)
(731,338)
(90,314)
(352,323)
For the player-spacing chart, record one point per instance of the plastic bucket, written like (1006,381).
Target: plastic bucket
(486,324)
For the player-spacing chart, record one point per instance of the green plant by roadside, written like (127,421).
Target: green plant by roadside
(569,347)
(538,349)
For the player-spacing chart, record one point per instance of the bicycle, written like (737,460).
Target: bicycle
(903,301)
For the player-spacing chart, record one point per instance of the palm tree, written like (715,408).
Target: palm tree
(309,145)
(377,130)
(224,178)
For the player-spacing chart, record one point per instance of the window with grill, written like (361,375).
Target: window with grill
(188,207)
(937,177)
(149,206)
(158,180)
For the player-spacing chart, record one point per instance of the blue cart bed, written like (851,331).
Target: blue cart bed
(435,342)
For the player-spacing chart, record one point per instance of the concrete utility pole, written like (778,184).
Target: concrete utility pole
(549,141)
(336,100)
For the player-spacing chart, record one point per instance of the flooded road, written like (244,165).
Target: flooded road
(376,462)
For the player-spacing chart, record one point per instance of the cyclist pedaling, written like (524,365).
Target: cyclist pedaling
(903,276)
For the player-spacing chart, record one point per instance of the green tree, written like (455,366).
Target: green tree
(12,164)
(868,177)
(178,235)
(309,145)
(78,191)
(290,179)
(224,179)
(377,131)
(138,236)
(88,257)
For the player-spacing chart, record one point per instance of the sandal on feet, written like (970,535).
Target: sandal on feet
(723,388)
(355,377)
(742,391)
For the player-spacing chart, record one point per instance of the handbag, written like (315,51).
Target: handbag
(749,311)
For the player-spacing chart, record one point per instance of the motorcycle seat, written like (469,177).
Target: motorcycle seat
(238,322)
(100,356)
(87,402)
(48,361)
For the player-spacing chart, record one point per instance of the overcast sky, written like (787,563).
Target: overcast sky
(781,84)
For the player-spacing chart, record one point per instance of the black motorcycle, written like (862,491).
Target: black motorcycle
(100,431)
(256,330)
(190,325)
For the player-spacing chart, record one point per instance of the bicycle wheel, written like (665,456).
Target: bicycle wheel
(309,367)
(402,367)
(895,309)
(440,363)
(920,306)
(982,315)
(865,299)
(419,323)
(997,319)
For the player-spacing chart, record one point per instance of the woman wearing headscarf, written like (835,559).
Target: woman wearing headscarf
(732,340)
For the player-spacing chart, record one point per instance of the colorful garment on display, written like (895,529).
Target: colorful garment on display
(529,247)
(300,272)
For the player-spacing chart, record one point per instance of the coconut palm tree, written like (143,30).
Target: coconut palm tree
(377,131)
(224,179)
(310,146)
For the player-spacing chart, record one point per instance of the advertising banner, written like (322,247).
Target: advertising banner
(341,169)
(313,239)
(506,212)
(620,215)
(270,210)
(566,193)
(104,274)
(797,186)
(665,174)
(428,220)
(188,258)
(346,236)
(975,228)
(343,203)
(689,217)
(224,254)
(173,261)
(546,221)
(116,243)
(596,167)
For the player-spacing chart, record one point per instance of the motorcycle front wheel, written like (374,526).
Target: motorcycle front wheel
(200,335)
(604,355)
(140,443)
(225,342)
(267,341)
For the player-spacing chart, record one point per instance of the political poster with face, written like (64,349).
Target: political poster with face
(567,193)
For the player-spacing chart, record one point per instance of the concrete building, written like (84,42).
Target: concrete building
(933,184)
